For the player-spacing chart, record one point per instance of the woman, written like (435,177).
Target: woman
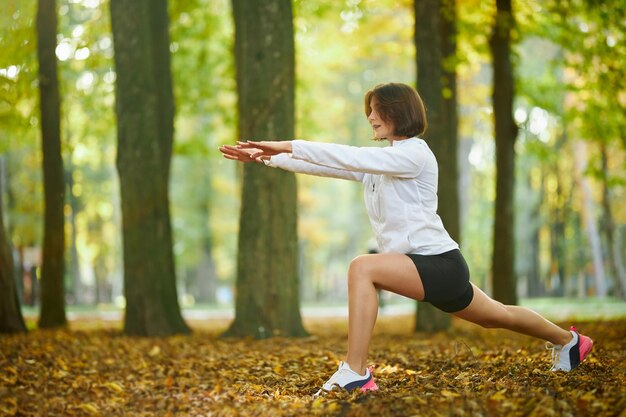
(417,258)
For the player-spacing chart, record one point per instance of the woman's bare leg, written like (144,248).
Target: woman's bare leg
(391,272)
(397,273)
(489,313)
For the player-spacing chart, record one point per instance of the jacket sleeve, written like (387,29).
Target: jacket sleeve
(405,162)
(286,162)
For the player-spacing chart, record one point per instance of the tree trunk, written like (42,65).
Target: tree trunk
(53,268)
(205,275)
(608,226)
(435,40)
(503,261)
(11,320)
(528,224)
(145,116)
(74,267)
(591,227)
(267,302)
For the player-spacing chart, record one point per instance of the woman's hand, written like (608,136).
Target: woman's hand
(266,149)
(251,151)
(236,153)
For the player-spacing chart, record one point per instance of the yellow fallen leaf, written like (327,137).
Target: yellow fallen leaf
(115,387)
(333,407)
(60,374)
(317,403)
(589,396)
(90,408)
(8,407)
(9,376)
(498,396)
(461,376)
(154,351)
(413,398)
(62,364)
(449,394)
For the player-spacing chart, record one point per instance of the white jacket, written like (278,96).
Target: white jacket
(400,183)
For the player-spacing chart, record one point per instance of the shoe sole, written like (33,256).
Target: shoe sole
(370,386)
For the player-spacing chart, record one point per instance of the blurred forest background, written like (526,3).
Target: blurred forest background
(570,74)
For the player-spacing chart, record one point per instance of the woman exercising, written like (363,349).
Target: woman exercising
(417,258)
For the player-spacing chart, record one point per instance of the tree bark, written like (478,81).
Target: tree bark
(435,40)
(503,260)
(11,319)
(145,125)
(53,268)
(267,302)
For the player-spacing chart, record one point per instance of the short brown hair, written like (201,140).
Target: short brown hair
(400,105)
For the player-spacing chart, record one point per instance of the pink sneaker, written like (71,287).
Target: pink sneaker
(347,379)
(568,357)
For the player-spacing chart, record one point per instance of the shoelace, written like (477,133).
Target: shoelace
(556,354)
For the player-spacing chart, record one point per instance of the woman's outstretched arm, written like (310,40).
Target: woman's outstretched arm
(277,155)
(401,161)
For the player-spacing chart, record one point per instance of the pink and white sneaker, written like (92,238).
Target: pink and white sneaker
(349,380)
(569,356)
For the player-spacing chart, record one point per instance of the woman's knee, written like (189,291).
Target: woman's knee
(359,270)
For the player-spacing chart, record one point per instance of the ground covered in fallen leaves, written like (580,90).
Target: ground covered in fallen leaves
(467,371)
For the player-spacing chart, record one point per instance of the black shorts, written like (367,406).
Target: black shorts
(446,280)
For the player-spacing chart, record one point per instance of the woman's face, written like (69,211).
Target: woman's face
(382,129)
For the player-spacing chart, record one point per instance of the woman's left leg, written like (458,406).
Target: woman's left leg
(392,272)
(490,313)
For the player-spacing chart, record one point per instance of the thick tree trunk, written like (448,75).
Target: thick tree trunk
(145,116)
(503,261)
(11,320)
(435,41)
(53,268)
(267,302)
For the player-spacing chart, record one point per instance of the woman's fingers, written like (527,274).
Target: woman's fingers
(242,154)
(230,151)
(246,144)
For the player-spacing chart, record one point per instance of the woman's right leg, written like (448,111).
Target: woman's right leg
(490,313)
(367,273)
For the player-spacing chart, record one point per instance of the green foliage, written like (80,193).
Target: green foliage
(19,121)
